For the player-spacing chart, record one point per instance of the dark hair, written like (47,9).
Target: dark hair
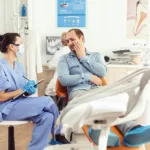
(7,39)
(78,32)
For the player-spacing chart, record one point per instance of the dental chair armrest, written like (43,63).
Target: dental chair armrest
(103,109)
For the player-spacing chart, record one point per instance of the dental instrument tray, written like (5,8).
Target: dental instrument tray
(119,52)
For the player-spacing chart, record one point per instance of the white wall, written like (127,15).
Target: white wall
(6,16)
(105,30)
(149,25)
(106,23)
(2,19)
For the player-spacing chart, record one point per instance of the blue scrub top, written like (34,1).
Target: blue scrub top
(10,80)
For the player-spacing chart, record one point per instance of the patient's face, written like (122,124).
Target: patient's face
(70,38)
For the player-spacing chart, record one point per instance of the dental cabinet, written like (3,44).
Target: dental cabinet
(116,72)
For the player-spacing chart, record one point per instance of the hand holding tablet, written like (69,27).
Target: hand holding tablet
(24,93)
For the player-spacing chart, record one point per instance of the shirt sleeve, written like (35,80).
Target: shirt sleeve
(95,64)
(70,80)
(4,83)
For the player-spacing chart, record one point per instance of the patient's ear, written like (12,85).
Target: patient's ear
(82,38)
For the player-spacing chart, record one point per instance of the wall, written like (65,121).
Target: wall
(149,24)
(6,15)
(106,23)
(2,20)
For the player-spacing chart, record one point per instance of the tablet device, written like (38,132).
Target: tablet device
(40,81)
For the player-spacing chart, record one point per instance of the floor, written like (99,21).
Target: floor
(23,136)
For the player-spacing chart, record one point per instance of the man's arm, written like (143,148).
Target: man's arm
(95,65)
(70,80)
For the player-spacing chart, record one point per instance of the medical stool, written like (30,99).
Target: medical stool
(11,138)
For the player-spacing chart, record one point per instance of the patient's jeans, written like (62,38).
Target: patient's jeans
(123,128)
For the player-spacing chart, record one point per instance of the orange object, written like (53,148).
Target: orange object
(116,131)
(62,91)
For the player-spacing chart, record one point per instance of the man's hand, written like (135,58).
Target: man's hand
(96,80)
(79,49)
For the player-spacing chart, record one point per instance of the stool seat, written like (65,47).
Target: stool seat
(11,138)
(5,123)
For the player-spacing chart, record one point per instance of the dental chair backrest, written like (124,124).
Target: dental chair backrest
(61,91)
(62,96)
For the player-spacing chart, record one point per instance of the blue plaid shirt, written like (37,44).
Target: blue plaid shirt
(77,74)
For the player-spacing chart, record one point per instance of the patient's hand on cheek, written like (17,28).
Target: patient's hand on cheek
(79,49)
(96,80)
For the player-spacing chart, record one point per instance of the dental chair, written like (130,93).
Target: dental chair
(126,102)
(61,92)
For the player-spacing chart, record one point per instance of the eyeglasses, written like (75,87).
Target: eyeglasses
(71,39)
(15,44)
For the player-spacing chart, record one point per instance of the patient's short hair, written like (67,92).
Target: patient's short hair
(78,32)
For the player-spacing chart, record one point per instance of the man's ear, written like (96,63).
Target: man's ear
(82,38)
